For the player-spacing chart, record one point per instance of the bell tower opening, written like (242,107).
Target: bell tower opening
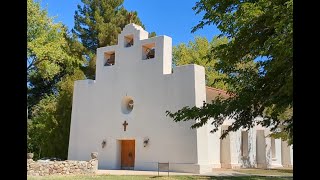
(128,40)
(109,58)
(148,51)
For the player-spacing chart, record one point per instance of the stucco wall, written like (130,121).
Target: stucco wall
(225,151)
(155,86)
(261,149)
(248,161)
(97,115)
(213,146)
(285,154)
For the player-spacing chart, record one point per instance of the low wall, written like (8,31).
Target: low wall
(40,168)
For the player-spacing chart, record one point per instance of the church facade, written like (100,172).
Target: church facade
(121,114)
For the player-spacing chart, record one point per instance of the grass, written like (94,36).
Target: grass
(277,172)
(129,177)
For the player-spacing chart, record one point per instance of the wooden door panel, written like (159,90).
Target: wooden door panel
(127,153)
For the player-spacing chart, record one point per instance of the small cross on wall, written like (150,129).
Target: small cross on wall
(125,125)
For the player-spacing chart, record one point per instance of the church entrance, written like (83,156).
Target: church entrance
(127,154)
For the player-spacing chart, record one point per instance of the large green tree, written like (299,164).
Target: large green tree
(49,128)
(98,23)
(49,56)
(52,66)
(258,62)
(198,52)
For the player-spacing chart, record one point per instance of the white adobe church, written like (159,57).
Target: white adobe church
(121,115)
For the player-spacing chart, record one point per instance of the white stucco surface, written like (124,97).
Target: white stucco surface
(98,113)
(261,149)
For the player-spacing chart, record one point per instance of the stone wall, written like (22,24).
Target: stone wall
(41,168)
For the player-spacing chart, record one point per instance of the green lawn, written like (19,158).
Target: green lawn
(279,172)
(103,177)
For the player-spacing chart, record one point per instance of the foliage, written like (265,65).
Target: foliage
(258,62)
(63,112)
(48,130)
(53,63)
(98,23)
(49,56)
(41,126)
(197,52)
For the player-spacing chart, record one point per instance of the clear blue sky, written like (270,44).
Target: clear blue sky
(165,17)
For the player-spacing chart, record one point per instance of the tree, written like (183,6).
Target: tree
(197,53)
(98,23)
(49,56)
(258,62)
(40,127)
(63,112)
(53,63)
(50,124)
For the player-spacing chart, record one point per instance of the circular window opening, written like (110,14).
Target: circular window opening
(127,104)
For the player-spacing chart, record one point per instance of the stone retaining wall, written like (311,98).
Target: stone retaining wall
(38,168)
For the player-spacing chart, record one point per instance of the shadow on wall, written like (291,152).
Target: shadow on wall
(268,158)
(249,161)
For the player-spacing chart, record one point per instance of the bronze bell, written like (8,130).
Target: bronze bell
(130,43)
(150,53)
(110,61)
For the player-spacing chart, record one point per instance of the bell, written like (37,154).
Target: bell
(110,61)
(150,53)
(130,43)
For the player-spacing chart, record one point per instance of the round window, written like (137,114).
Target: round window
(127,104)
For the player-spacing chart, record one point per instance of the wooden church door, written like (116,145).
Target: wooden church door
(127,154)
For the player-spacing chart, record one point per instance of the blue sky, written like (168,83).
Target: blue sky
(165,17)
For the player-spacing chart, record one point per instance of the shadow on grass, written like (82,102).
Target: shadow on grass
(270,172)
(284,170)
(248,178)
(221,177)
